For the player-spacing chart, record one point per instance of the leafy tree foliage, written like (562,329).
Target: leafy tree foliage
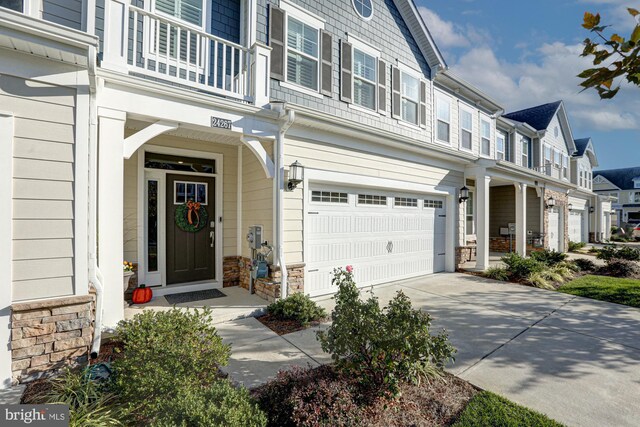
(613,56)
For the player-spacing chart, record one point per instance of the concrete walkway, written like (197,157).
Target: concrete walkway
(575,359)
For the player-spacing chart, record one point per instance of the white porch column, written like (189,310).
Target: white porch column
(521,219)
(482,215)
(110,211)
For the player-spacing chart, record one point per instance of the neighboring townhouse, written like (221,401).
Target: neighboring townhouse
(333,133)
(623,187)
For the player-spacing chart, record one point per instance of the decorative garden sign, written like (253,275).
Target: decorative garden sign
(191,216)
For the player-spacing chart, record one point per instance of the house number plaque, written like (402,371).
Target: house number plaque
(217,122)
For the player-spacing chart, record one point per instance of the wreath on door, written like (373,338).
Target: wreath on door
(191,216)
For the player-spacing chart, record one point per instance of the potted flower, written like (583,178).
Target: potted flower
(127,272)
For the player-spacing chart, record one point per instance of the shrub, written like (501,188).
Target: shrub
(497,273)
(382,347)
(621,268)
(611,251)
(309,397)
(563,270)
(297,307)
(548,257)
(539,280)
(164,350)
(521,268)
(89,403)
(585,264)
(217,404)
(576,246)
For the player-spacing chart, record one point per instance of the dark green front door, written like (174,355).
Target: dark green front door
(190,254)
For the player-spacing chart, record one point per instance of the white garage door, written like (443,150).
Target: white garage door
(554,229)
(576,225)
(384,236)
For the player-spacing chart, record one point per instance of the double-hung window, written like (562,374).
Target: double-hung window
(364,79)
(526,144)
(187,10)
(485,137)
(501,144)
(16,5)
(466,129)
(557,158)
(410,97)
(565,166)
(636,197)
(443,119)
(302,53)
(547,159)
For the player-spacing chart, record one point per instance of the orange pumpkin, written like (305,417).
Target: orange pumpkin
(142,295)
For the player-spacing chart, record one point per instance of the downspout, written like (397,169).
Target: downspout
(95,277)
(287,117)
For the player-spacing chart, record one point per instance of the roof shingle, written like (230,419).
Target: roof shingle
(537,117)
(622,178)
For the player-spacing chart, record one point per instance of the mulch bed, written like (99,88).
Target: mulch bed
(436,403)
(283,327)
(36,389)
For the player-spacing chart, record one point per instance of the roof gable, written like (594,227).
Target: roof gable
(537,117)
(585,146)
(540,117)
(621,178)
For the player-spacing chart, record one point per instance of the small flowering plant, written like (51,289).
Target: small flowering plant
(127,267)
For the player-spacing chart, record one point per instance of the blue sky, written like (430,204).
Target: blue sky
(525,53)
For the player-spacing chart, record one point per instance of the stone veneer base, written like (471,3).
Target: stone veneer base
(47,335)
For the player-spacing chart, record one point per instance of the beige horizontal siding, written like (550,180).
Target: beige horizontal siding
(42,190)
(43,187)
(42,249)
(43,288)
(257,197)
(42,150)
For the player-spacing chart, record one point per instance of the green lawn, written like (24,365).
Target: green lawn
(610,289)
(488,409)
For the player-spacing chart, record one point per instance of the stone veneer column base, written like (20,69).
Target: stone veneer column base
(562,201)
(47,335)
(269,288)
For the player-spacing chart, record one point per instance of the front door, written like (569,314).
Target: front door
(190,228)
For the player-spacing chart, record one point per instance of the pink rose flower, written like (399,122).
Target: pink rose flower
(349,269)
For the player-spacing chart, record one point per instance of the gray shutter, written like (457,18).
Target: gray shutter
(423,104)
(395,92)
(382,86)
(326,73)
(276,41)
(346,72)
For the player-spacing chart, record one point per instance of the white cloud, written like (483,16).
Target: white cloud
(445,33)
(549,74)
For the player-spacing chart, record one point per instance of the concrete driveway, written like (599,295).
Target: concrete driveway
(575,359)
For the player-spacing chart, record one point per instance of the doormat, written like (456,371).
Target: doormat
(193,296)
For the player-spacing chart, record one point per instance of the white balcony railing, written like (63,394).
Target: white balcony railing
(170,50)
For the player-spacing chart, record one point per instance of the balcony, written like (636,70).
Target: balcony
(142,43)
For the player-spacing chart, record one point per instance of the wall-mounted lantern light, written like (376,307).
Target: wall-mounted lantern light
(296,175)
(551,203)
(570,207)
(464,194)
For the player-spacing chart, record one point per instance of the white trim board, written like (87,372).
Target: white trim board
(6,234)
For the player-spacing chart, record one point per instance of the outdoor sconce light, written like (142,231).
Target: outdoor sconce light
(464,194)
(570,207)
(592,209)
(551,203)
(296,175)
